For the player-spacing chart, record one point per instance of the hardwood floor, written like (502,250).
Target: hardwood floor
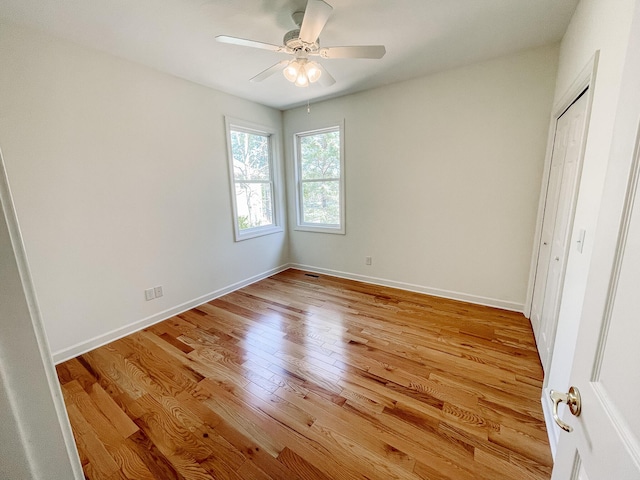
(314,377)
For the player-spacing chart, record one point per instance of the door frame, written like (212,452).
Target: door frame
(40,440)
(586,80)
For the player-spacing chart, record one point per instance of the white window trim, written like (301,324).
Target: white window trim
(236,124)
(315,227)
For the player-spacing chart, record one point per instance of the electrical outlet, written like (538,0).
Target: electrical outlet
(149,294)
(367,260)
(158,291)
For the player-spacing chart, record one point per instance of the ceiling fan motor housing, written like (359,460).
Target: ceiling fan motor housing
(292,40)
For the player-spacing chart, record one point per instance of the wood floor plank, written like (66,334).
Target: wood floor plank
(166,428)
(299,465)
(305,376)
(110,409)
(255,455)
(131,465)
(155,461)
(92,445)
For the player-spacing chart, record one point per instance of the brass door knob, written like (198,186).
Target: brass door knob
(572,399)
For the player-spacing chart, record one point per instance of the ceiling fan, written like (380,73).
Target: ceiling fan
(302,43)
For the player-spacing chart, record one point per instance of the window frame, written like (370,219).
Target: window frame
(238,125)
(316,227)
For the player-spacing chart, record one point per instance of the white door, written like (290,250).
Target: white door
(556,225)
(605,441)
(548,222)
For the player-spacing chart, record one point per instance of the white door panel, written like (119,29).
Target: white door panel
(551,205)
(621,345)
(606,370)
(605,441)
(562,228)
(556,225)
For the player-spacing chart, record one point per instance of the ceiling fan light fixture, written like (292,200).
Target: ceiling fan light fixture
(302,80)
(302,72)
(313,71)
(292,70)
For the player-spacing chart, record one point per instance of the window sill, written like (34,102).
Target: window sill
(257,232)
(310,228)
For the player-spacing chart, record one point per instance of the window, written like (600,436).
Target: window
(251,166)
(320,180)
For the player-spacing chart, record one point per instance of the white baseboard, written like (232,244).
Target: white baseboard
(84,347)
(436,292)
(552,429)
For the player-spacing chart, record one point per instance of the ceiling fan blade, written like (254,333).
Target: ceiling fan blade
(269,71)
(364,51)
(249,43)
(315,17)
(326,80)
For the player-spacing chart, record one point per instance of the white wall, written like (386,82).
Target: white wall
(120,180)
(596,25)
(442,179)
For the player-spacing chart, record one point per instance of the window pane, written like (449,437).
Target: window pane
(254,206)
(250,156)
(321,202)
(320,155)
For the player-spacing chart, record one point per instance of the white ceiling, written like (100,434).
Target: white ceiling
(178,37)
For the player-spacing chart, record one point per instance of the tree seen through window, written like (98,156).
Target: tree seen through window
(252,178)
(320,176)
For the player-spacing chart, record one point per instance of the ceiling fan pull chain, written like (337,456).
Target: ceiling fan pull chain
(308,108)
